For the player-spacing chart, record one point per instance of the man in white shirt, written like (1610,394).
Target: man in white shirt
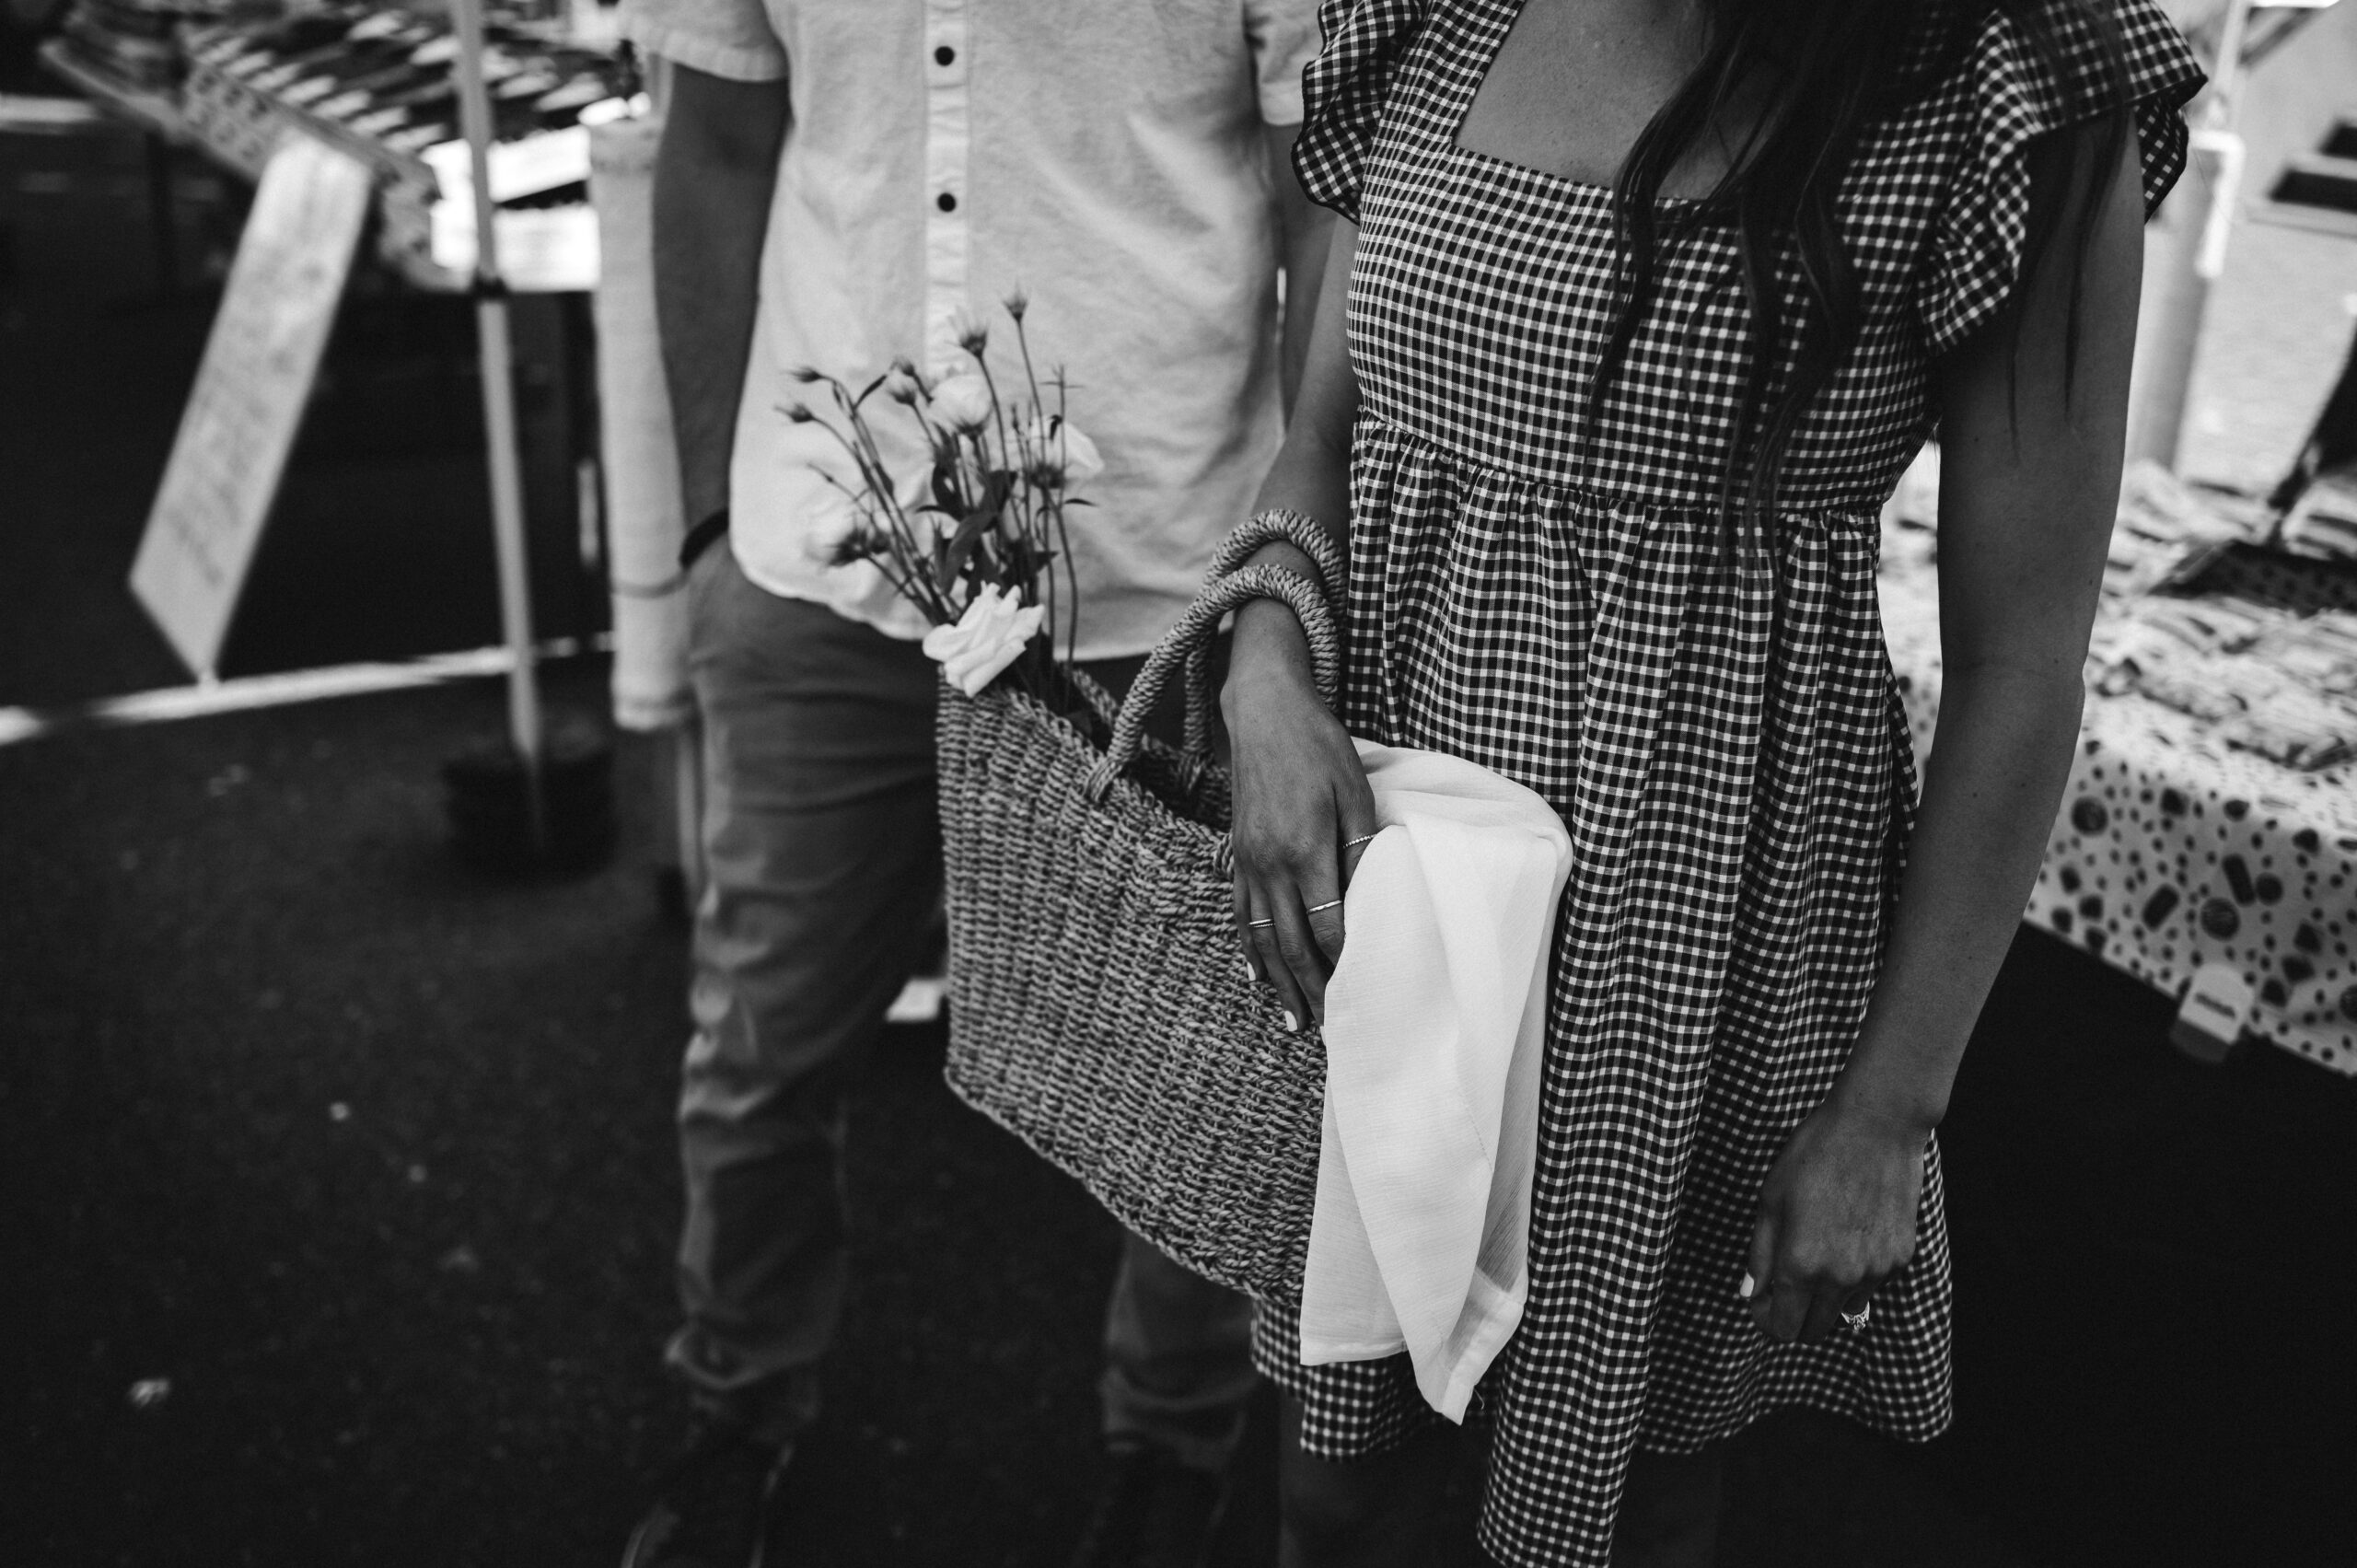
(839,182)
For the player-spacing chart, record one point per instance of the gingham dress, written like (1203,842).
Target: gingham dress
(1727,748)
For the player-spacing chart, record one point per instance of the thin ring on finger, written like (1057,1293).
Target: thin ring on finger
(1820,1318)
(1265,952)
(1320,909)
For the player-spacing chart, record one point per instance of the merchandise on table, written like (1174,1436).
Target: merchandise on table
(2210,816)
(2167,533)
(2323,523)
(378,82)
(386,75)
(136,42)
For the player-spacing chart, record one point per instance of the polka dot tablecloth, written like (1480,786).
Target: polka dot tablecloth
(2173,851)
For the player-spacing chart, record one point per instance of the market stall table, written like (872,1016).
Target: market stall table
(2175,850)
(373,83)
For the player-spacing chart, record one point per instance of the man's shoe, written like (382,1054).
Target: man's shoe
(711,1507)
(1153,1512)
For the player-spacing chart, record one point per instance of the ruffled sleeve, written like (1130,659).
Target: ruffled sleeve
(2015,87)
(1344,93)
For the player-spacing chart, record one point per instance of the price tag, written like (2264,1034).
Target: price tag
(258,364)
(2217,1006)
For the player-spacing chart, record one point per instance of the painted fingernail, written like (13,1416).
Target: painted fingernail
(1292,1026)
(1249,972)
(1744,1290)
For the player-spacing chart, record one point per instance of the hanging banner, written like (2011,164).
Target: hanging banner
(258,364)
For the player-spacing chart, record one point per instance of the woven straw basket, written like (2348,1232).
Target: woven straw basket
(1099,1006)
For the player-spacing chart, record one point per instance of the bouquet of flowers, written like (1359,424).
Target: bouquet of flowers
(973,538)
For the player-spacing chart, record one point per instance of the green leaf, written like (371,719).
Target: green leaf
(945,489)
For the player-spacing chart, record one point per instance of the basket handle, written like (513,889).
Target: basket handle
(1273,524)
(1195,629)
(1283,525)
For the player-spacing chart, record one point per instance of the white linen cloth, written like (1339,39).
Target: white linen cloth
(1435,1028)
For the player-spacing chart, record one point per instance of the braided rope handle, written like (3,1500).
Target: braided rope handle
(1101,702)
(1283,525)
(1275,525)
(1195,630)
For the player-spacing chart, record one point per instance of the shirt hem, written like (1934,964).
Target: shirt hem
(686,47)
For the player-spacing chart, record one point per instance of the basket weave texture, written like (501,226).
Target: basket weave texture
(1100,1004)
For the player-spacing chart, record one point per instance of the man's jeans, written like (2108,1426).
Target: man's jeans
(823,868)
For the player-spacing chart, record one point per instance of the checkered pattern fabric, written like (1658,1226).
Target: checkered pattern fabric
(1726,745)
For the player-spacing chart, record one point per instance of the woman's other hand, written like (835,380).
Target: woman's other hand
(1301,797)
(1837,1218)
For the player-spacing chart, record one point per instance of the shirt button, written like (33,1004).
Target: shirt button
(946,202)
(944,55)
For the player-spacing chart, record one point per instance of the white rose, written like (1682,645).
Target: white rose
(985,640)
(962,400)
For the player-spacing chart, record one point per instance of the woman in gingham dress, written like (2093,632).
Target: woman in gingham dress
(1639,308)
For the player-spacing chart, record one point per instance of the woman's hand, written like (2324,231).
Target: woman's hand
(1301,796)
(1837,1217)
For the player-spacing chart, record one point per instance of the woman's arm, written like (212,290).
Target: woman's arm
(1300,793)
(1307,231)
(2029,480)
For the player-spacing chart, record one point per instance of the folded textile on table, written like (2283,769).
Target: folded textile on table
(1435,1028)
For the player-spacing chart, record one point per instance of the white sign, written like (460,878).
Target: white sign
(2215,1012)
(258,364)
(525,167)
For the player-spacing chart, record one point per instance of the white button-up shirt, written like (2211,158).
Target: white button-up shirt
(1107,156)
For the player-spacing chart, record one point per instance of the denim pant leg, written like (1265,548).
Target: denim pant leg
(823,862)
(1178,1348)
(1178,1359)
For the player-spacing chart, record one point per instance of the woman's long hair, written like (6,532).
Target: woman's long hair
(1818,73)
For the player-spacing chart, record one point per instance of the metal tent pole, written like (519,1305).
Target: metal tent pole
(524,722)
(2193,250)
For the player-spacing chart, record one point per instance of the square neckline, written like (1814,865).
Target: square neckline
(1498,17)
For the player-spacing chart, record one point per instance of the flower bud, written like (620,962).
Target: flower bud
(969,333)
